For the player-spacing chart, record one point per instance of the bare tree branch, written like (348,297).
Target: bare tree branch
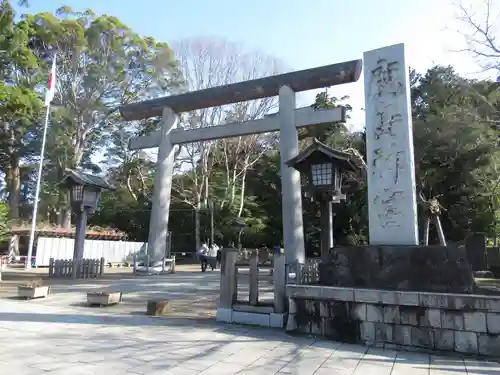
(481,34)
(209,62)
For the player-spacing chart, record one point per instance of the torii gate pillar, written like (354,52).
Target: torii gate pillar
(162,190)
(291,192)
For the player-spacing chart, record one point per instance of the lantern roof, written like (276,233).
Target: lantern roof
(318,150)
(74,177)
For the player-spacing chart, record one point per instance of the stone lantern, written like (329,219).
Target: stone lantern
(324,169)
(84,190)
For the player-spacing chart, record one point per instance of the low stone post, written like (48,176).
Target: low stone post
(279,276)
(228,287)
(172,265)
(253,278)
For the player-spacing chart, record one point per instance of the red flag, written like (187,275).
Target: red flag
(51,86)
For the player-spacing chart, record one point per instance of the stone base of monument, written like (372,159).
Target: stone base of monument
(468,324)
(418,268)
(398,297)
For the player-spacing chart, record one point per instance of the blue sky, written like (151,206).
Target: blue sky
(300,33)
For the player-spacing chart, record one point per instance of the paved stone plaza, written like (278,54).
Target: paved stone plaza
(61,336)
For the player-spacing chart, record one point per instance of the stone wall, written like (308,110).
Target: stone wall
(397,319)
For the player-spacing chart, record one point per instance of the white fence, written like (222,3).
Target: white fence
(62,248)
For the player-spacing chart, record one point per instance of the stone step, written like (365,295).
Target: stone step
(254,309)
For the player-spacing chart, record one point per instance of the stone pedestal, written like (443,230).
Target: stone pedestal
(419,268)
(157,308)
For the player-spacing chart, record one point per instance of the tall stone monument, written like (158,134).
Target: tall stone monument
(392,201)
(393,259)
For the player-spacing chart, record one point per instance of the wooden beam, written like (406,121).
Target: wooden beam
(302,80)
(303,116)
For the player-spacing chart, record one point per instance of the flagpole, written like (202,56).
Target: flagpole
(37,190)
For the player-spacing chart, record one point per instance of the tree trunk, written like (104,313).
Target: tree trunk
(67,218)
(206,193)
(242,193)
(197,227)
(64,214)
(129,187)
(233,188)
(14,183)
(12,172)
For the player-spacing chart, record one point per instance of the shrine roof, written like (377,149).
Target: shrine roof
(86,179)
(344,158)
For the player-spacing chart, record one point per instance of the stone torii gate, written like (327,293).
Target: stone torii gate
(287,121)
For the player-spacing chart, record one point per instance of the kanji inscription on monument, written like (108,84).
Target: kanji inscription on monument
(389,146)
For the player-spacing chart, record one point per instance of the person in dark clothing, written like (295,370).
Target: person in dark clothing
(218,257)
(203,254)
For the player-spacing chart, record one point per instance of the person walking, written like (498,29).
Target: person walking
(202,255)
(212,256)
(218,255)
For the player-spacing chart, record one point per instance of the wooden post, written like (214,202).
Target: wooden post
(279,275)
(426,230)
(51,267)
(253,278)
(101,267)
(439,228)
(228,287)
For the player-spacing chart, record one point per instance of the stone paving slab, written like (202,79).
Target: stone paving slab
(190,292)
(53,337)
